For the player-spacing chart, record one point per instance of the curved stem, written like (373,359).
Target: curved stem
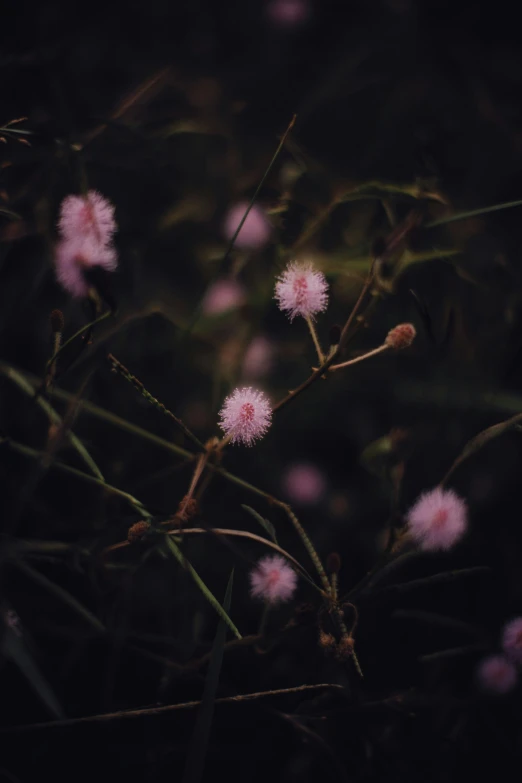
(83,329)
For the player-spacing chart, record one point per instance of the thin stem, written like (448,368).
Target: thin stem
(83,329)
(473,213)
(315,338)
(357,359)
(308,545)
(124,372)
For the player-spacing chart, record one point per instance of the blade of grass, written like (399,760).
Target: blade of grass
(197,752)
(265,524)
(473,213)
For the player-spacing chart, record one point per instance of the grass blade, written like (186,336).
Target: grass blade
(195,763)
(268,526)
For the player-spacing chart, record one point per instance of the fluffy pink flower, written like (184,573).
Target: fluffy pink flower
(301,290)
(438,519)
(86,226)
(74,256)
(288,13)
(258,358)
(512,640)
(304,483)
(246,415)
(273,580)
(223,295)
(92,215)
(497,674)
(255,231)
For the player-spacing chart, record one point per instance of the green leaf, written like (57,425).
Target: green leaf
(473,213)
(182,560)
(268,526)
(195,763)
(14,648)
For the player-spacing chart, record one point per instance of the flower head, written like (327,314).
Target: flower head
(246,415)
(287,13)
(497,674)
(86,227)
(255,231)
(304,483)
(301,290)
(258,358)
(273,580)
(223,295)
(400,336)
(512,640)
(438,519)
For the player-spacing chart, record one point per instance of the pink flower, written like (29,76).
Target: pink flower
(246,415)
(512,640)
(497,674)
(287,13)
(301,290)
(223,295)
(255,231)
(92,215)
(438,519)
(273,580)
(304,483)
(258,358)
(86,227)
(74,256)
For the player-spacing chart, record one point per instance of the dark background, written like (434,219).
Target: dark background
(173,111)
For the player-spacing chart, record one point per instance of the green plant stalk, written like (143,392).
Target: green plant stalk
(80,331)
(308,545)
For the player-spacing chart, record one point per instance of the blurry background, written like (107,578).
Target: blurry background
(407,112)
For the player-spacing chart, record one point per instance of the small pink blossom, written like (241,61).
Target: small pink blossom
(512,640)
(255,231)
(304,483)
(86,227)
(497,674)
(288,13)
(301,290)
(223,295)
(258,358)
(273,580)
(246,415)
(438,519)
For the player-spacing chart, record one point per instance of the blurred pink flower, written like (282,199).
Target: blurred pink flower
(288,13)
(246,415)
(512,640)
(438,519)
(255,231)
(273,580)
(304,483)
(223,295)
(301,290)
(86,226)
(258,358)
(497,674)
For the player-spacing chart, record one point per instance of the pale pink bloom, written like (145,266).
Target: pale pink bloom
(223,295)
(497,674)
(92,215)
(512,640)
(86,226)
(438,519)
(255,231)
(301,290)
(288,13)
(273,580)
(246,415)
(258,358)
(75,256)
(304,483)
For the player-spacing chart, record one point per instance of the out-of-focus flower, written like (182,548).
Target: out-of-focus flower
(223,295)
(246,415)
(497,674)
(255,231)
(86,226)
(400,336)
(512,640)
(288,13)
(258,358)
(301,290)
(438,519)
(304,483)
(273,580)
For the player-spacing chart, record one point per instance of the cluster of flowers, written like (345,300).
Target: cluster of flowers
(498,673)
